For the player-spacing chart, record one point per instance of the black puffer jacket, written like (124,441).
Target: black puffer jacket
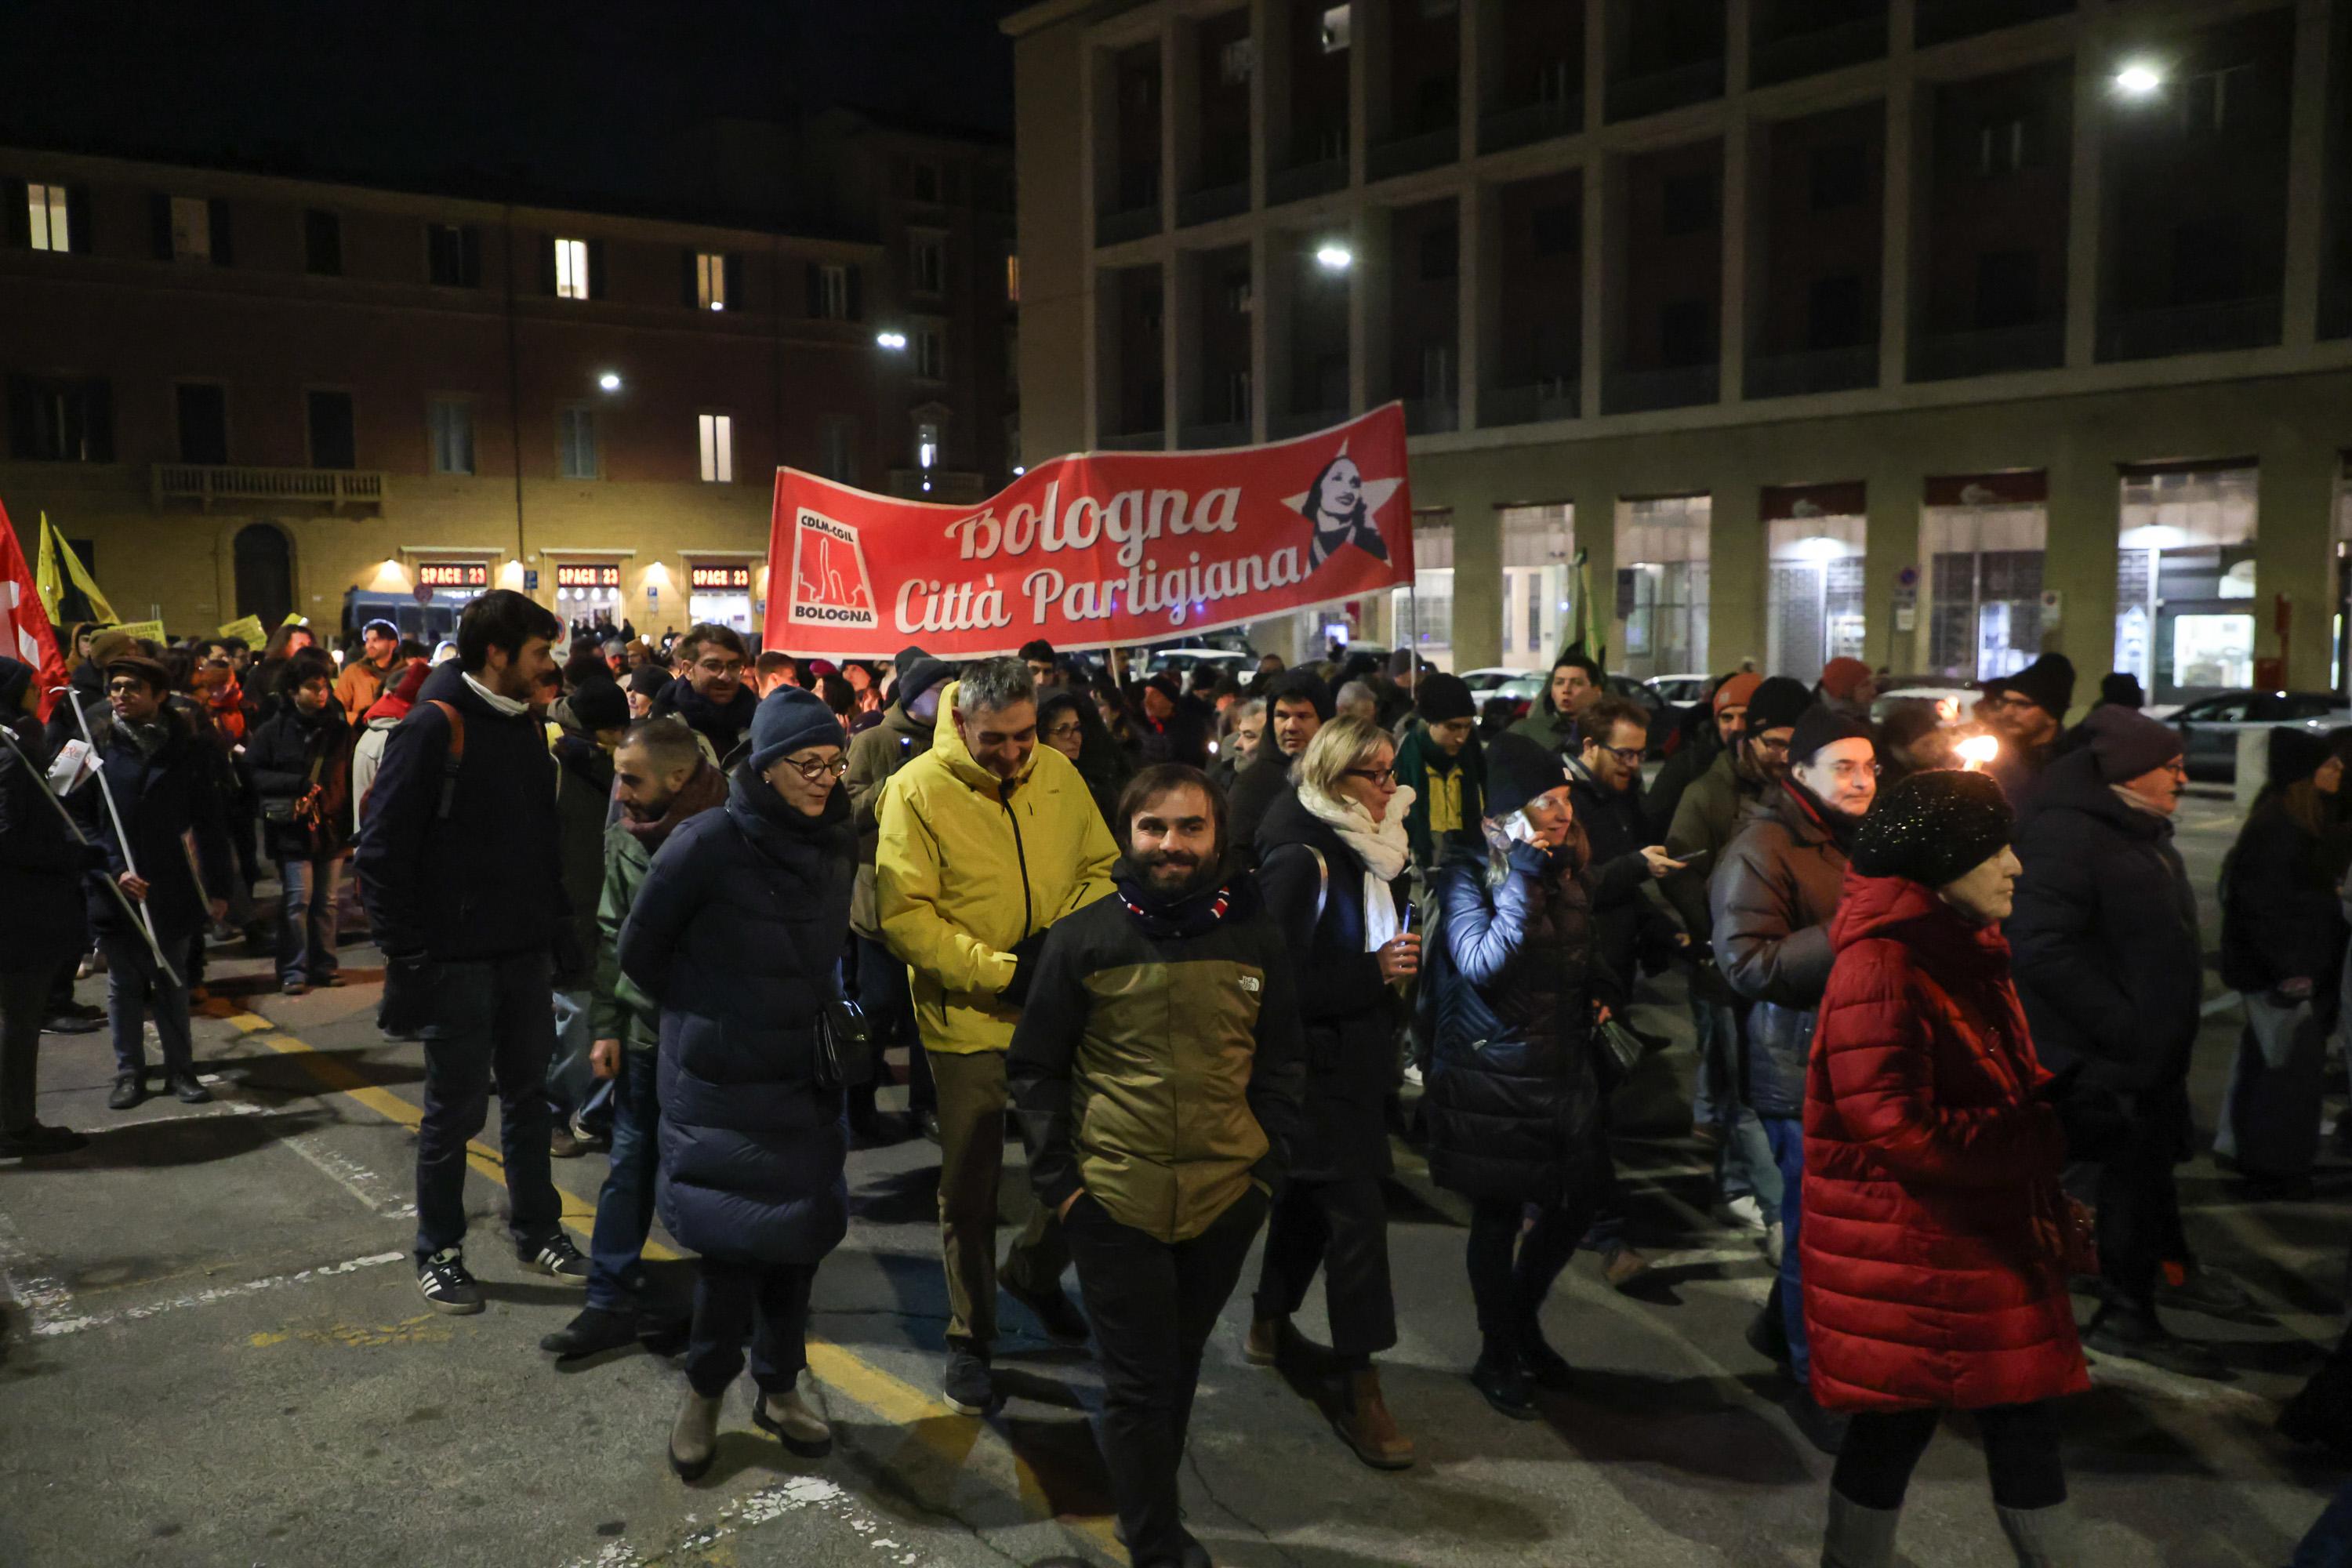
(2281,917)
(1771,900)
(735,934)
(1514,1099)
(288,753)
(41,917)
(2103,938)
(1263,780)
(1349,1013)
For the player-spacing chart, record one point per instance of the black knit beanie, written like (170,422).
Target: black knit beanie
(1935,827)
(1777,704)
(1439,698)
(1519,770)
(1818,726)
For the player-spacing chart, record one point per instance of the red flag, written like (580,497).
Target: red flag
(25,630)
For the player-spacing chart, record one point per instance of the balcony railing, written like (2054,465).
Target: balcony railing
(1133,441)
(1941,21)
(1822,50)
(1304,180)
(1662,90)
(1680,386)
(2191,329)
(1531,402)
(1816,370)
(1282,426)
(1950,356)
(1135,223)
(1203,438)
(1520,125)
(205,483)
(1210,204)
(1412,154)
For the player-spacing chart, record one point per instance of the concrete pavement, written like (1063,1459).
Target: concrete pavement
(214,1353)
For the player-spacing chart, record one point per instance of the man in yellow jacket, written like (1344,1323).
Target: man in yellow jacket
(985,841)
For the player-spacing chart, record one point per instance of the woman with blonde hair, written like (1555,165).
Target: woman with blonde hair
(1332,859)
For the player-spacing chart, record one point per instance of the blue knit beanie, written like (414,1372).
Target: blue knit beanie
(788,719)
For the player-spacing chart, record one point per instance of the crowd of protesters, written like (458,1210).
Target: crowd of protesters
(1203,939)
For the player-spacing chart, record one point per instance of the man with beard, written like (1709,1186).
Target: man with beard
(710,692)
(660,779)
(1755,719)
(364,678)
(1157,1072)
(1297,703)
(1772,899)
(2028,710)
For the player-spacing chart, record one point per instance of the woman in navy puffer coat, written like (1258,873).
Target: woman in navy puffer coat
(736,933)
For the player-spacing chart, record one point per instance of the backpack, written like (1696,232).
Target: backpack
(451,760)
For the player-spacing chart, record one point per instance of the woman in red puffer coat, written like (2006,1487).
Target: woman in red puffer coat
(1934,1229)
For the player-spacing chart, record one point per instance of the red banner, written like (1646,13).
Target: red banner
(25,630)
(1097,549)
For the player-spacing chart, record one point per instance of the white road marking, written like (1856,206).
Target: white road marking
(57,1326)
(195,1113)
(794,1494)
(44,1297)
(382,1198)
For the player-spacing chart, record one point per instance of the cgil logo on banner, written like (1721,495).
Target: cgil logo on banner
(830,585)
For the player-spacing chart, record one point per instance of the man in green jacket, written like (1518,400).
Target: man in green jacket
(1156,1070)
(661,778)
(1575,685)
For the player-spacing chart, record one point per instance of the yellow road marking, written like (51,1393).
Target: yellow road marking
(930,1426)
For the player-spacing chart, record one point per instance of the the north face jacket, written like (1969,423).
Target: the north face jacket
(966,865)
(1160,1071)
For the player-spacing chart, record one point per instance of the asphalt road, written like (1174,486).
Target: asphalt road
(214,1353)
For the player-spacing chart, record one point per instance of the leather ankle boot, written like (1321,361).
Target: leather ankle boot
(694,1436)
(1366,1426)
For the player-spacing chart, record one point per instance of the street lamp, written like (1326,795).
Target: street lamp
(609,381)
(2138,79)
(896,343)
(1333,257)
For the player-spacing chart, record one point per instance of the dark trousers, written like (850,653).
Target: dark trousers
(765,1305)
(23,1003)
(1786,1135)
(489,1021)
(133,985)
(1153,1304)
(1509,1291)
(624,1209)
(1340,1226)
(2138,1200)
(2020,1443)
(889,1004)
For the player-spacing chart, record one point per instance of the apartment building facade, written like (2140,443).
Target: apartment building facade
(241,394)
(1939,333)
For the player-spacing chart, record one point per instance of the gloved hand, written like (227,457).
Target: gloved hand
(1533,859)
(407,1004)
(1024,967)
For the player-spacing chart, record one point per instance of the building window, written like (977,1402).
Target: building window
(927,266)
(1686,333)
(1556,229)
(50,217)
(1237,396)
(2006,287)
(710,280)
(453,255)
(332,443)
(202,409)
(322,244)
(927,445)
(830,296)
(1438,248)
(926,181)
(717,436)
(450,421)
(1335,30)
(1012,280)
(192,229)
(571,270)
(2215,102)
(930,347)
(1235,61)
(841,449)
(1686,204)
(2000,146)
(1841,176)
(60,421)
(575,437)
(1834,313)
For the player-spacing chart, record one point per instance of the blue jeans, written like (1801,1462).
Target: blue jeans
(1787,1136)
(489,1020)
(133,983)
(624,1209)
(574,1093)
(1745,1163)
(308,919)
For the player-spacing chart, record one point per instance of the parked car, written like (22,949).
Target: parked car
(1185,661)
(1682,690)
(2210,727)
(1955,698)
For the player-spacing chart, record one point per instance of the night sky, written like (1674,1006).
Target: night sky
(484,97)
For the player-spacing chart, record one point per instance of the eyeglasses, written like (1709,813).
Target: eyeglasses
(124,688)
(1779,747)
(1846,772)
(1377,775)
(1629,755)
(1063,731)
(811,771)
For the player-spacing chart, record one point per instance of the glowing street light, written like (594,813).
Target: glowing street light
(609,381)
(1978,752)
(893,341)
(1333,257)
(2138,79)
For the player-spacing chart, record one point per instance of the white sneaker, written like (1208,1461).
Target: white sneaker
(1413,1075)
(1745,1210)
(1772,1244)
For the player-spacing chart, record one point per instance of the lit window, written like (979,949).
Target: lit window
(451,422)
(718,432)
(1012,280)
(45,206)
(930,353)
(1235,60)
(1335,30)
(192,229)
(832,293)
(710,281)
(576,443)
(571,270)
(927,446)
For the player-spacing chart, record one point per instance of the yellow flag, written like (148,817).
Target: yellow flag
(50,581)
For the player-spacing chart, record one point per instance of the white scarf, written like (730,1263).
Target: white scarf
(1382,846)
(506,705)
